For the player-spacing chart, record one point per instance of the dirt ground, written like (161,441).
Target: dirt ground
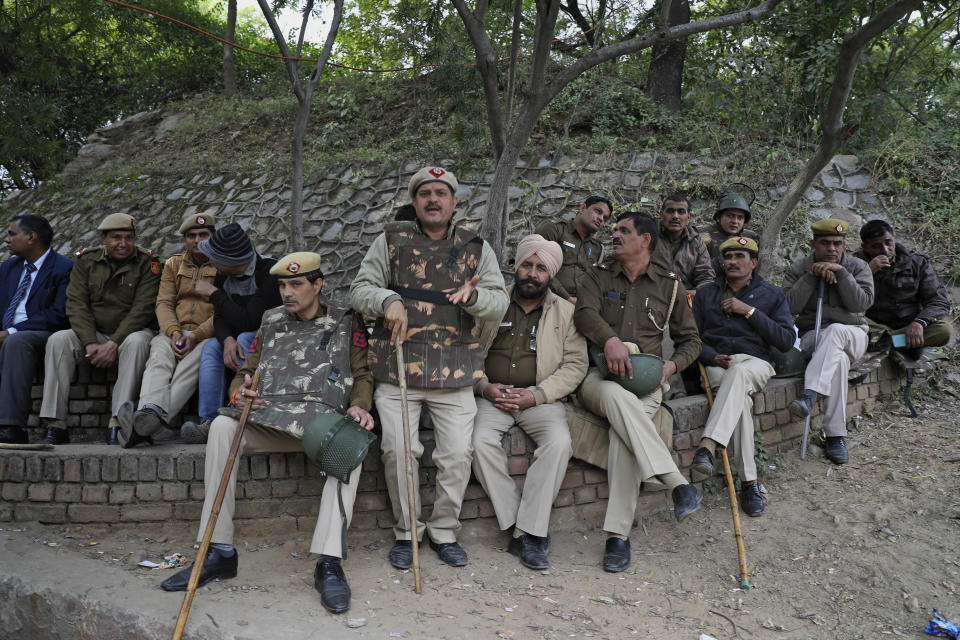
(857,551)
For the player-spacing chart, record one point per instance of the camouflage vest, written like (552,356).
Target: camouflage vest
(442,349)
(304,368)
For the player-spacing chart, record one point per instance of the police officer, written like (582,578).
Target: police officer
(732,214)
(305,350)
(186,322)
(110,305)
(908,296)
(633,300)
(429,280)
(740,316)
(536,357)
(577,238)
(679,248)
(848,293)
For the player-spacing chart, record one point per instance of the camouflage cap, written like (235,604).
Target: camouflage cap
(301,263)
(432,174)
(196,221)
(739,242)
(117,222)
(829,227)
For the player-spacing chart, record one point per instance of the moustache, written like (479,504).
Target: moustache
(528,282)
(290,300)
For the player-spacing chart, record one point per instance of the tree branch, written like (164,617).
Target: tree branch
(290,65)
(612,51)
(487,67)
(307,10)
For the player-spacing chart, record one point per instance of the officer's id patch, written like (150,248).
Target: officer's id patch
(155,268)
(570,244)
(359,338)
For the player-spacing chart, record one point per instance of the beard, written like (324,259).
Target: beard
(530,289)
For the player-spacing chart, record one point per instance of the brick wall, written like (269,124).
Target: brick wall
(80,483)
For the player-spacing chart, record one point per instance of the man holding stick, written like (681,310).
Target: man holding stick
(633,300)
(740,316)
(313,359)
(843,328)
(430,281)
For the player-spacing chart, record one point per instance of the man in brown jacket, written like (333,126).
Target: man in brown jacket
(186,321)
(679,248)
(535,357)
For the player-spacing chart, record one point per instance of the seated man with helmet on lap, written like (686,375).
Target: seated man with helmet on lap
(633,300)
(312,357)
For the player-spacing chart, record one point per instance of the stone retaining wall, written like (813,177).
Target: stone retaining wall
(83,483)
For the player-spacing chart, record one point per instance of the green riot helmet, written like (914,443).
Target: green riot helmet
(788,364)
(336,443)
(647,371)
(733,201)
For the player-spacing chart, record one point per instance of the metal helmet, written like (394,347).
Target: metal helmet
(647,371)
(788,364)
(336,443)
(733,201)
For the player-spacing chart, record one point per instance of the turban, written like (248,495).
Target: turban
(548,251)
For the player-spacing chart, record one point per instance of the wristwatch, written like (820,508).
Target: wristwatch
(749,313)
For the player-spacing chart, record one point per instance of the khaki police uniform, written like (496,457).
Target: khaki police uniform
(578,255)
(307,367)
(543,352)
(610,305)
(105,301)
(442,355)
(843,327)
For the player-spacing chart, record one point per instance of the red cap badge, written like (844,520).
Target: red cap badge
(293,267)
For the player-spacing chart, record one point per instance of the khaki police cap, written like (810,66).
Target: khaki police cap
(196,221)
(432,174)
(829,227)
(117,222)
(739,242)
(301,263)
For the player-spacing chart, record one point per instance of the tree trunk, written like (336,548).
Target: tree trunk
(835,132)
(665,75)
(229,74)
(296,179)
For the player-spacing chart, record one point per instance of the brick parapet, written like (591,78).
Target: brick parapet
(83,483)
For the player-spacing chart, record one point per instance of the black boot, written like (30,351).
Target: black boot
(750,500)
(215,565)
(616,555)
(56,435)
(803,405)
(703,461)
(329,581)
(836,450)
(530,550)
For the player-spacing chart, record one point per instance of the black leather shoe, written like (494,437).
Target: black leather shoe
(616,555)
(450,552)
(329,581)
(131,439)
(703,461)
(686,500)
(836,450)
(530,551)
(401,555)
(214,566)
(803,405)
(112,435)
(13,435)
(751,500)
(56,436)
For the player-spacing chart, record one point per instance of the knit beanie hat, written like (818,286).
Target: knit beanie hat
(228,245)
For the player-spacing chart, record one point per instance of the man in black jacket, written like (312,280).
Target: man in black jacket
(739,316)
(241,292)
(908,296)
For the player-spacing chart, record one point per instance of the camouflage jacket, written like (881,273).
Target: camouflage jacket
(691,260)
(716,237)
(307,368)
(441,349)
(112,298)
